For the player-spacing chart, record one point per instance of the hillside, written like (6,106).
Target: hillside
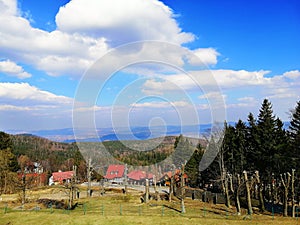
(52,155)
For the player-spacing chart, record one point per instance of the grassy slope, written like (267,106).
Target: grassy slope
(118,209)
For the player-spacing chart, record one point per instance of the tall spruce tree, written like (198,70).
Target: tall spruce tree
(8,163)
(251,149)
(229,148)
(294,134)
(281,158)
(266,148)
(192,167)
(234,144)
(240,146)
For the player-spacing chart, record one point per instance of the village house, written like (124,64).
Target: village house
(115,174)
(34,179)
(60,177)
(165,179)
(138,177)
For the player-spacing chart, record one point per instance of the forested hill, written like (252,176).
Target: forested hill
(52,155)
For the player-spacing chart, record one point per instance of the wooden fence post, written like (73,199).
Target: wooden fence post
(248,193)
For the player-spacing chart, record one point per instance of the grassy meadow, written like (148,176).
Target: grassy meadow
(117,208)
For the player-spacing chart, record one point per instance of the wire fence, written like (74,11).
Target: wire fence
(148,210)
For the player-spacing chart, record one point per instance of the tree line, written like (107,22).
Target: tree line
(263,149)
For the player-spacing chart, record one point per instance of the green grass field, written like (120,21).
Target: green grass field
(114,208)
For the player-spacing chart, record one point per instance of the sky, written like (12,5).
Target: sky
(124,63)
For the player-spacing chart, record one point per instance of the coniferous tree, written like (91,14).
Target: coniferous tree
(192,167)
(252,139)
(8,163)
(266,139)
(294,134)
(281,156)
(240,144)
(183,150)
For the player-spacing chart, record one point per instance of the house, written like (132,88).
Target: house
(165,179)
(61,177)
(34,179)
(139,177)
(115,174)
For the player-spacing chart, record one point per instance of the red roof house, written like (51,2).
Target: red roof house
(139,175)
(115,173)
(35,179)
(167,176)
(62,176)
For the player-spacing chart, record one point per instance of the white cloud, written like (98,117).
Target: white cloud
(212,95)
(14,108)
(121,21)
(204,56)
(26,92)
(160,104)
(294,74)
(85,32)
(8,7)
(27,107)
(208,80)
(11,68)
(247,99)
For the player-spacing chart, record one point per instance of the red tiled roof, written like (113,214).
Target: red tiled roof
(139,175)
(60,176)
(115,171)
(177,174)
(41,176)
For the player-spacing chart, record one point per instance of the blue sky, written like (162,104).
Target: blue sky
(48,49)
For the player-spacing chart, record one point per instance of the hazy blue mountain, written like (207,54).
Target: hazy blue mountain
(134,133)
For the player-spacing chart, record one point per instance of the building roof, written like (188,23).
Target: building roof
(60,176)
(115,171)
(169,174)
(139,175)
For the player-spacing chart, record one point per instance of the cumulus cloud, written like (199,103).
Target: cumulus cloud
(12,69)
(8,7)
(294,74)
(198,80)
(55,52)
(85,32)
(25,92)
(27,107)
(203,56)
(122,21)
(160,104)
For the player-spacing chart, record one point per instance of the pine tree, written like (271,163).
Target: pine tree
(8,163)
(251,149)
(266,148)
(240,144)
(192,167)
(294,133)
(229,148)
(183,150)
(281,156)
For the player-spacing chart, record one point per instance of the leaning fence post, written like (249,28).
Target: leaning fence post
(162,211)
(5,209)
(51,208)
(84,208)
(120,210)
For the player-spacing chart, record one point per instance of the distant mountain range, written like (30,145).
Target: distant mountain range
(110,134)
